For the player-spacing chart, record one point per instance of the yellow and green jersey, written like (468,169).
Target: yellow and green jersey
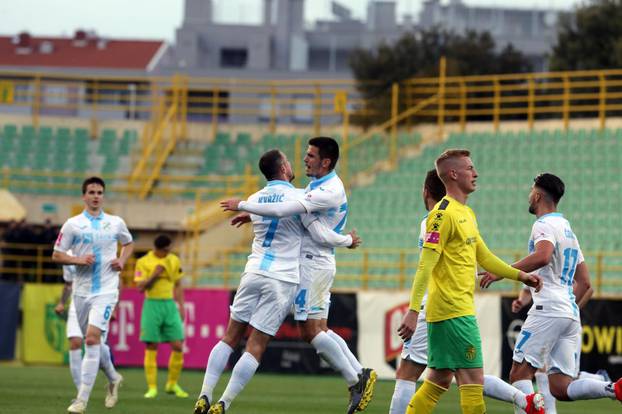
(164,285)
(452,232)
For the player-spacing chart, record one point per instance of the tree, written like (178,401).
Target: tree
(418,54)
(590,38)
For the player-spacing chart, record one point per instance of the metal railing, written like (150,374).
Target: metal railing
(367,268)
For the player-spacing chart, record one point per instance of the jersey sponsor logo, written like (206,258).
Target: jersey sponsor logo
(433,237)
(444,204)
(471,240)
(272,198)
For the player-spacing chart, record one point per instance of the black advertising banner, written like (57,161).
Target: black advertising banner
(286,352)
(601,340)
(9,309)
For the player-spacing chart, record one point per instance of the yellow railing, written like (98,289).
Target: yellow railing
(386,268)
(366,268)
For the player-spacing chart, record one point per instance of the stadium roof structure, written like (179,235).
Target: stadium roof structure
(85,50)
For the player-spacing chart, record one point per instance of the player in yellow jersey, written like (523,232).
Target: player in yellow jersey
(159,274)
(451,252)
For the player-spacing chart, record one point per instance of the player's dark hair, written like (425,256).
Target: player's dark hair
(270,163)
(328,148)
(434,185)
(552,185)
(92,180)
(162,242)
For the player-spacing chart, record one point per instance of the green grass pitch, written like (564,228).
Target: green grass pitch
(49,390)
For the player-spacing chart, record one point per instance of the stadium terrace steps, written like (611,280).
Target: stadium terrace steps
(41,152)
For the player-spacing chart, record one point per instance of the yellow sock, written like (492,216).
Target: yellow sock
(425,399)
(175,364)
(472,399)
(151,368)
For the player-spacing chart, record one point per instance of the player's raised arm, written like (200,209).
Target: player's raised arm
(326,236)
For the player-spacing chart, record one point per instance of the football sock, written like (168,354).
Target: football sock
(75,366)
(403,392)
(216,364)
(175,364)
(242,372)
(90,366)
(331,352)
(151,368)
(542,380)
(472,399)
(526,386)
(105,362)
(426,398)
(587,375)
(589,389)
(500,390)
(344,348)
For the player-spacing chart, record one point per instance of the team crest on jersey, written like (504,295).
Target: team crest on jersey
(433,237)
(106,225)
(470,353)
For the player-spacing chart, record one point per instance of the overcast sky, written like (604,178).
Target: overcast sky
(157,19)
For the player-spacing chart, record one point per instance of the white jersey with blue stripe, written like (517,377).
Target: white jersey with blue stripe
(276,246)
(84,234)
(325,200)
(556,298)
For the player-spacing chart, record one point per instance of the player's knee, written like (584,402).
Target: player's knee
(558,385)
(92,339)
(75,343)
(309,330)
(177,346)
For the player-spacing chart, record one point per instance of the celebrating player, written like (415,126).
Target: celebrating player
(552,331)
(93,236)
(324,198)
(268,287)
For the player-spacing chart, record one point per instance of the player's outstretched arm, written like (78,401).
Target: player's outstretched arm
(240,220)
(280,210)
(523,299)
(66,259)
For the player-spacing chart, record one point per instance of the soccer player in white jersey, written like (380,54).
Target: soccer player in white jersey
(75,336)
(268,286)
(325,198)
(553,329)
(93,237)
(415,350)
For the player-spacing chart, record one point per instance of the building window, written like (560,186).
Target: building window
(233,58)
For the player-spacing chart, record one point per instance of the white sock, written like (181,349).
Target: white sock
(75,366)
(526,386)
(105,362)
(344,347)
(242,372)
(542,380)
(331,352)
(589,389)
(216,364)
(403,392)
(90,366)
(500,390)
(587,375)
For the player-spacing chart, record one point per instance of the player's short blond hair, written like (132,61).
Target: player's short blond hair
(449,154)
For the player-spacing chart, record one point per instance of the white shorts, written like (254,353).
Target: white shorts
(416,348)
(313,296)
(545,341)
(95,310)
(73,327)
(262,302)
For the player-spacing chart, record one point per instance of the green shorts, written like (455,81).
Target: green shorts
(455,344)
(160,321)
